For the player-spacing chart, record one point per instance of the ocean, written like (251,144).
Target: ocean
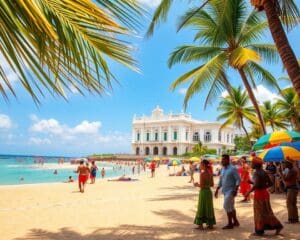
(15,170)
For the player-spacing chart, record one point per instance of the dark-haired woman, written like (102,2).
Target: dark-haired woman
(205,212)
(264,218)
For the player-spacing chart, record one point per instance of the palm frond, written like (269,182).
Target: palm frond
(160,15)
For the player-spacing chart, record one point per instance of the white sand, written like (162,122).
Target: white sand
(159,208)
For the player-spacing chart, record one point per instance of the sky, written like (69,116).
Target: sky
(91,124)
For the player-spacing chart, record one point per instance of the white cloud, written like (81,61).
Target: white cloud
(39,141)
(86,127)
(261,94)
(182,91)
(85,136)
(10,74)
(150,3)
(5,122)
(224,94)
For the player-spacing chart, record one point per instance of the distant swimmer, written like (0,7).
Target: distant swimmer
(55,171)
(70,179)
(21,179)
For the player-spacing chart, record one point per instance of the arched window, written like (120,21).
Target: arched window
(165,136)
(155,151)
(196,137)
(137,151)
(147,150)
(228,138)
(186,149)
(138,135)
(165,151)
(220,136)
(207,136)
(156,136)
(174,150)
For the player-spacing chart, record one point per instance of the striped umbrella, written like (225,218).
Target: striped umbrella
(276,138)
(174,162)
(280,153)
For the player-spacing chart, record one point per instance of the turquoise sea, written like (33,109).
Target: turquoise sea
(15,170)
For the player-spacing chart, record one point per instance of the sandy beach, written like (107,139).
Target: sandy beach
(160,208)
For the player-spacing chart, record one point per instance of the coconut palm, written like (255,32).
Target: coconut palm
(64,44)
(256,132)
(235,110)
(230,36)
(286,12)
(290,107)
(273,116)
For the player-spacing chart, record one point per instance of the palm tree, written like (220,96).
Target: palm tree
(62,44)
(256,132)
(235,110)
(273,116)
(231,38)
(286,12)
(290,107)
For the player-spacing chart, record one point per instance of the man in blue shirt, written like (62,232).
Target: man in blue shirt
(229,182)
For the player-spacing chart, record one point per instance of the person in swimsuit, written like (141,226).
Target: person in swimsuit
(83,174)
(94,170)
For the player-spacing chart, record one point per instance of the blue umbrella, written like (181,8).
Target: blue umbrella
(292,144)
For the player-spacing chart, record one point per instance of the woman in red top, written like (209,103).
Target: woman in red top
(244,172)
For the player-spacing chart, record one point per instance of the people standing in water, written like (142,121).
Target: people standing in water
(83,174)
(103,173)
(205,212)
(264,218)
(229,182)
(290,182)
(244,172)
(93,170)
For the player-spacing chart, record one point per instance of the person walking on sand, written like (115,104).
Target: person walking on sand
(192,171)
(83,174)
(103,173)
(264,218)
(244,172)
(290,182)
(205,212)
(229,182)
(93,170)
(152,168)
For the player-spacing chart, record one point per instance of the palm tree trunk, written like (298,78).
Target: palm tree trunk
(286,52)
(253,100)
(245,130)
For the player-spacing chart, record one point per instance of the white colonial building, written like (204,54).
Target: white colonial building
(176,134)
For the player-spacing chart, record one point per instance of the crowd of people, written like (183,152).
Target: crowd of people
(255,179)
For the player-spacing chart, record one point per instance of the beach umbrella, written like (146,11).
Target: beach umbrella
(174,162)
(280,153)
(194,159)
(212,157)
(148,159)
(276,138)
(292,144)
(156,159)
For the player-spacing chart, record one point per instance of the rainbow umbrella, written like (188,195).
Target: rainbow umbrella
(280,153)
(276,138)
(174,162)
(194,159)
(292,144)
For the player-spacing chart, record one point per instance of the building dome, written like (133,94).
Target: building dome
(157,113)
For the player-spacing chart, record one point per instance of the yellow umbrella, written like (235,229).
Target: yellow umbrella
(156,159)
(194,159)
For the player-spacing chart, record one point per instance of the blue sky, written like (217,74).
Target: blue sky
(93,124)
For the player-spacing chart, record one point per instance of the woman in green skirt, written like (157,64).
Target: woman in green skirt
(205,212)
